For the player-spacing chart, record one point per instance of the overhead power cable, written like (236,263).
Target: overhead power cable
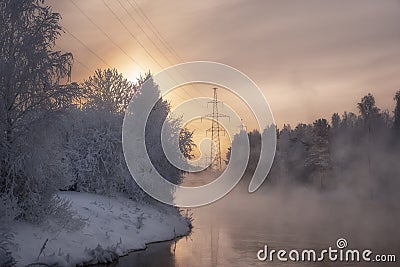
(145,33)
(131,34)
(156,32)
(88,48)
(106,35)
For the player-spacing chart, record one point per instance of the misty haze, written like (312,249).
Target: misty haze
(314,92)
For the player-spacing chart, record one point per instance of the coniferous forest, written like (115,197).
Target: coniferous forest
(354,151)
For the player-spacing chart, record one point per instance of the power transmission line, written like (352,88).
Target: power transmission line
(82,64)
(105,34)
(215,132)
(151,40)
(88,48)
(74,59)
(156,32)
(123,24)
(131,34)
(145,33)
(109,38)
(242,126)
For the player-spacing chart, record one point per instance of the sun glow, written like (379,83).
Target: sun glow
(132,74)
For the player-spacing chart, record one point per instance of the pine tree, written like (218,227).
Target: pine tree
(396,123)
(369,111)
(319,158)
(335,121)
(186,144)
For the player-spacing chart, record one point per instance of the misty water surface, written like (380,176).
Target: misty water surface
(231,231)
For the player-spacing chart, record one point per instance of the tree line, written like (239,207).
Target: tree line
(358,151)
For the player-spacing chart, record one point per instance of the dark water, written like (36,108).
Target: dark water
(231,231)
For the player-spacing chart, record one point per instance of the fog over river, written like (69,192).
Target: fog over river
(232,230)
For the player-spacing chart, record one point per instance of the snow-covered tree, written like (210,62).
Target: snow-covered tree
(370,113)
(319,158)
(154,124)
(93,141)
(280,167)
(94,151)
(335,121)
(300,140)
(31,95)
(396,122)
(186,144)
(349,120)
(255,150)
(108,90)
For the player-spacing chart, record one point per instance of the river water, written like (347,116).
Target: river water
(231,231)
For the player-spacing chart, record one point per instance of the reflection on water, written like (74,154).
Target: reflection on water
(155,255)
(232,230)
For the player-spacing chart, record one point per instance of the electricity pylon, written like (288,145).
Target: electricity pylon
(242,127)
(216,129)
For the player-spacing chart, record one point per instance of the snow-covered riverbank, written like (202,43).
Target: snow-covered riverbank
(110,227)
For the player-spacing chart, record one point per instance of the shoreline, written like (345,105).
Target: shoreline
(131,252)
(113,227)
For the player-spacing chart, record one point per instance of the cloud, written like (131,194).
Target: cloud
(326,54)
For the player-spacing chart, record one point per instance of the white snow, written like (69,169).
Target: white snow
(111,227)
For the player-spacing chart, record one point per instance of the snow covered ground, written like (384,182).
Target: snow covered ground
(110,227)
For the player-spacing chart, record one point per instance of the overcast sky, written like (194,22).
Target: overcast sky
(310,58)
